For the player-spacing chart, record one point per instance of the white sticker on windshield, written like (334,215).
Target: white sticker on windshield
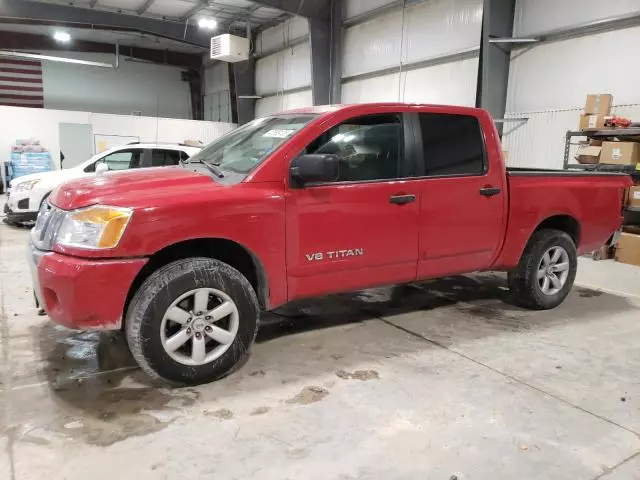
(278,133)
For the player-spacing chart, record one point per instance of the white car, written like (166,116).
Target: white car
(26,193)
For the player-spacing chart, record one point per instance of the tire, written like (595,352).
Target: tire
(148,330)
(524,283)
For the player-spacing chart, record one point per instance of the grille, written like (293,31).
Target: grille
(47,224)
(23,204)
(216,46)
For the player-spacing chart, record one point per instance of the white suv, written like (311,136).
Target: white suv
(26,193)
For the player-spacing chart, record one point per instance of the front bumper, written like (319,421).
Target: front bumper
(82,294)
(17,216)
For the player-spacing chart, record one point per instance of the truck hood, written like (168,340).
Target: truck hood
(132,188)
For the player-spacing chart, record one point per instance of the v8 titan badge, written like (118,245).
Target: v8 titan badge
(334,254)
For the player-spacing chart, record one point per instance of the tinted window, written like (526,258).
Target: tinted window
(164,158)
(369,147)
(452,144)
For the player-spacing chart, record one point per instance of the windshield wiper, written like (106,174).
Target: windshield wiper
(212,167)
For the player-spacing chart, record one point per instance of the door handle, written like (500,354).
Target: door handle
(489,191)
(402,199)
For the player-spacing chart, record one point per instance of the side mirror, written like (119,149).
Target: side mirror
(102,167)
(315,168)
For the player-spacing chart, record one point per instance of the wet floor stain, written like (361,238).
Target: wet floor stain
(308,395)
(362,375)
(259,411)
(222,414)
(110,416)
(588,293)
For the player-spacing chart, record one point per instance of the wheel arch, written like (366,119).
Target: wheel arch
(565,223)
(228,251)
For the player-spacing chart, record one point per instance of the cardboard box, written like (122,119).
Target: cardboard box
(588,154)
(633,197)
(591,122)
(599,103)
(620,153)
(628,249)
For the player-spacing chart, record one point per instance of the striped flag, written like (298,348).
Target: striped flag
(21,83)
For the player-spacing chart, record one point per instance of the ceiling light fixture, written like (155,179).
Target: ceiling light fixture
(207,23)
(63,37)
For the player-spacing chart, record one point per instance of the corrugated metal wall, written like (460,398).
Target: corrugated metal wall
(536,16)
(548,82)
(539,142)
(405,37)
(287,68)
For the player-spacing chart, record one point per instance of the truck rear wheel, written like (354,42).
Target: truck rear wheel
(192,321)
(546,271)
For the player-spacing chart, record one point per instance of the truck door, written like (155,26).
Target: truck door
(462,196)
(361,230)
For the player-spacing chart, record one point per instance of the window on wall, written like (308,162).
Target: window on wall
(452,144)
(370,147)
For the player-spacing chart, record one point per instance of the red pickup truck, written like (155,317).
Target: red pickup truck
(302,204)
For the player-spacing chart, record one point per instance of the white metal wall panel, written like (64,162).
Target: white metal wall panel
(353,8)
(431,29)
(537,16)
(377,89)
(277,37)
(285,70)
(281,103)
(438,27)
(558,75)
(539,142)
(372,45)
(451,83)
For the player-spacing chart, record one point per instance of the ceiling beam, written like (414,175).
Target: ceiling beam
(145,6)
(35,42)
(315,9)
(36,12)
(202,4)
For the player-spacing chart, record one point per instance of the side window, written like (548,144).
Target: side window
(370,147)
(184,156)
(122,160)
(164,158)
(452,144)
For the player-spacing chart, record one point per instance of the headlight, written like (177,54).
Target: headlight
(28,185)
(93,227)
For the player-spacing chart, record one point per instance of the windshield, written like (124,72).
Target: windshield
(245,148)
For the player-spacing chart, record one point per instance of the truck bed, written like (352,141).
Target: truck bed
(590,200)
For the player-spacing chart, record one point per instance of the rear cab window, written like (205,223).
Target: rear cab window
(452,145)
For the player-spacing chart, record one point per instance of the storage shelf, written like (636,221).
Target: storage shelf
(600,134)
(610,132)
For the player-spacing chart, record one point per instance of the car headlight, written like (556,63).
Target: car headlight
(22,186)
(94,227)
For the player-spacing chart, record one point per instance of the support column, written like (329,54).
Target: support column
(325,37)
(243,84)
(493,66)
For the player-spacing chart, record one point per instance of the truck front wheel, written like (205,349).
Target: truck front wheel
(192,321)
(546,271)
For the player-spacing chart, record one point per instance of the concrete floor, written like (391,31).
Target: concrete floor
(437,382)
